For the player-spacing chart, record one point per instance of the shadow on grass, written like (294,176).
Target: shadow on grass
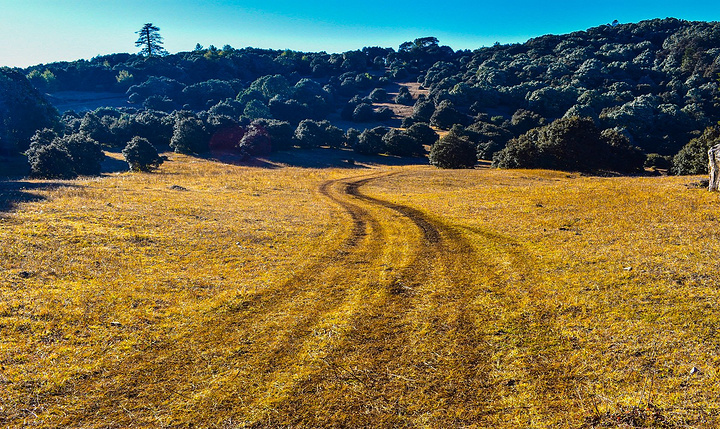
(314,158)
(14,192)
(113,162)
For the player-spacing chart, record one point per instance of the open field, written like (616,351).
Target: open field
(218,295)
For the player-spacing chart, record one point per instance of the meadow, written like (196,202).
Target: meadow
(209,294)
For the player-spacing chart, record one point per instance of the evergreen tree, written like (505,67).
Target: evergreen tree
(151,41)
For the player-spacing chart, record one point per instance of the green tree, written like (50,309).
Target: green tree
(453,151)
(571,144)
(422,132)
(23,111)
(141,155)
(150,41)
(370,142)
(693,157)
(84,152)
(401,143)
(189,136)
(51,162)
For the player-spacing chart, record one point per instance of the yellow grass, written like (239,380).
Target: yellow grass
(225,296)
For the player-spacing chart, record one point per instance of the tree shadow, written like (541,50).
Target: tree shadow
(113,163)
(315,158)
(14,192)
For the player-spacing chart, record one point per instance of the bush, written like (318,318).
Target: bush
(400,143)
(97,128)
(446,115)
(256,141)
(51,162)
(404,97)
(363,113)
(422,132)
(453,151)
(42,138)
(693,157)
(384,114)
(655,160)
(308,134)
(141,155)
(423,110)
(352,137)
(155,126)
(189,136)
(280,132)
(85,153)
(573,144)
(225,133)
(378,95)
(23,110)
(370,142)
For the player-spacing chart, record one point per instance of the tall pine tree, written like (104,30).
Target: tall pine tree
(151,41)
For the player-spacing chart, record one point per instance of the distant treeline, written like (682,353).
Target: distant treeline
(653,84)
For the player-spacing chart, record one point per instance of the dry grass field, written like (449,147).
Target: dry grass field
(216,295)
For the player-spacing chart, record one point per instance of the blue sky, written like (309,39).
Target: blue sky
(42,31)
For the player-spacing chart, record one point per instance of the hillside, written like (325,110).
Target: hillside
(649,89)
(656,79)
(217,295)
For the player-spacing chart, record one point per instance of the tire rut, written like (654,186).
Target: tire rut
(171,358)
(384,356)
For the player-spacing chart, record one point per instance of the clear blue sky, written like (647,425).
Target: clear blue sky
(42,31)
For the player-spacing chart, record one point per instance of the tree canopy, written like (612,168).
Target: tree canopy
(150,41)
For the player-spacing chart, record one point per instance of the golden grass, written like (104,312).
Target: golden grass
(229,296)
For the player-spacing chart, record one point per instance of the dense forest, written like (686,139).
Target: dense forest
(617,97)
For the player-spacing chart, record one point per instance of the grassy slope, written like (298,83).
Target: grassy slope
(387,296)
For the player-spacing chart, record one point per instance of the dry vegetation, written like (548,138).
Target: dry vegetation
(229,296)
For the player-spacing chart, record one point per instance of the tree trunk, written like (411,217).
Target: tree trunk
(714,168)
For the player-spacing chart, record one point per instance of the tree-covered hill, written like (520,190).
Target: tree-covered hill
(654,83)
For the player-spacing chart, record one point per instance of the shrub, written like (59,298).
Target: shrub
(225,133)
(370,142)
(256,141)
(155,126)
(363,113)
(378,95)
(99,130)
(280,132)
(655,160)
(384,114)
(573,144)
(311,133)
(256,109)
(84,152)
(51,162)
(189,136)
(525,120)
(693,157)
(446,115)
(23,110)
(141,155)
(400,143)
(423,110)
(422,132)
(42,138)
(308,134)
(352,137)
(453,151)
(404,97)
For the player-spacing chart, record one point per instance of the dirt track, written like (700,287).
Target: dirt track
(378,331)
(396,356)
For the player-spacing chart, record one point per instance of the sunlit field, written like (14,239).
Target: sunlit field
(215,295)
